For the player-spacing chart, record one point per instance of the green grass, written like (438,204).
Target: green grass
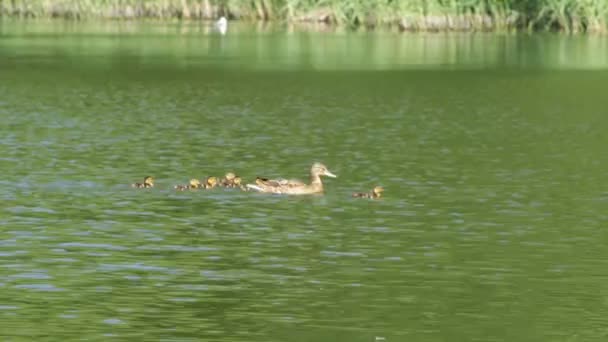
(557,15)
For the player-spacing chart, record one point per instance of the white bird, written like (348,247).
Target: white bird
(222,25)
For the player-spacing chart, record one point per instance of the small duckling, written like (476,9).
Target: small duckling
(194,184)
(237,183)
(228,180)
(232,181)
(376,193)
(148,183)
(210,182)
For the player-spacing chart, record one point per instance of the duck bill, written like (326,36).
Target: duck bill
(329,174)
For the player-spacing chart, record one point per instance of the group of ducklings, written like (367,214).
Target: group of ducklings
(277,186)
(230,180)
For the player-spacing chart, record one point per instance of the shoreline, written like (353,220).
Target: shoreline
(455,19)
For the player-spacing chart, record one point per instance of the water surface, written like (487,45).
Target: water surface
(491,149)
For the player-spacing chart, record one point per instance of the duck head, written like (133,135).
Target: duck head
(378,191)
(195,183)
(319,169)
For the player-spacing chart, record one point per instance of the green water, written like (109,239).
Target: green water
(492,151)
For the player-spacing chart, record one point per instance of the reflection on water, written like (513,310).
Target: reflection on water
(266,46)
(490,228)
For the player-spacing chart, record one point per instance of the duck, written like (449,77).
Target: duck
(291,186)
(194,184)
(148,183)
(375,193)
(210,183)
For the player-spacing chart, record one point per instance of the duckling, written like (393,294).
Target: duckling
(376,193)
(237,183)
(228,180)
(148,183)
(210,183)
(194,184)
(232,181)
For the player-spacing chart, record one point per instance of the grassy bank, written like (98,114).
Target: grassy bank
(461,15)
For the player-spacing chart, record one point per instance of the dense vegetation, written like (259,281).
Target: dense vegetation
(563,15)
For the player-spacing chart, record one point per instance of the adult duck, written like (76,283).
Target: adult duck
(294,187)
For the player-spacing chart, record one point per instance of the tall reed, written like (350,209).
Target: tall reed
(563,15)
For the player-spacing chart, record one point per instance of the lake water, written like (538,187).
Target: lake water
(491,148)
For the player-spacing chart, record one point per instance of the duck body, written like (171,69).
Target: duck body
(148,183)
(279,182)
(375,193)
(292,186)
